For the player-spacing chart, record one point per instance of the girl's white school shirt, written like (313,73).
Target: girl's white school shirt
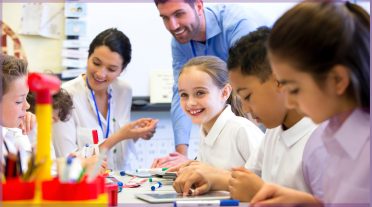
(279,158)
(77,131)
(230,142)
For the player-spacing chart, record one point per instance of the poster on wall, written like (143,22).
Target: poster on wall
(43,19)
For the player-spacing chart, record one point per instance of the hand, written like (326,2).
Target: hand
(197,178)
(243,184)
(142,128)
(182,149)
(28,123)
(271,194)
(173,159)
(90,162)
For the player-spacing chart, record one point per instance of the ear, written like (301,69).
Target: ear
(199,7)
(226,91)
(340,78)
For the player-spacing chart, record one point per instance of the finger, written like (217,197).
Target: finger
(265,193)
(201,189)
(155,163)
(241,169)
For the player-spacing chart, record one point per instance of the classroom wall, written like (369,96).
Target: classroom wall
(43,54)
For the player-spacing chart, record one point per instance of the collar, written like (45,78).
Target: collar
(298,131)
(351,137)
(217,127)
(211,24)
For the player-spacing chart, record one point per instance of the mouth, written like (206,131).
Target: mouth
(195,112)
(179,32)
(98,80)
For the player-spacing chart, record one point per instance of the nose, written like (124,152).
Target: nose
(291,101)
(26,105)
(173,24)
(191,101)
(101,73)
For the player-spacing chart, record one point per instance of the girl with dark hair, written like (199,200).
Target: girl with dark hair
(102,103)
(319,52)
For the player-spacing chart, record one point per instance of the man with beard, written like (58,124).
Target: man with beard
(198,31)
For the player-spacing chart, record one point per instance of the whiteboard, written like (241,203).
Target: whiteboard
(151,49)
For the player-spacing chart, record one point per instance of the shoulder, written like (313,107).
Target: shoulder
(243,125)
(74,86)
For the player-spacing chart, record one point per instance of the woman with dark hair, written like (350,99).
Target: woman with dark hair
(102,103)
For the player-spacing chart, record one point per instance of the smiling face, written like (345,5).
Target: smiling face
(104,66)
(201,99)
(181,20)
(263,100)
(14,104)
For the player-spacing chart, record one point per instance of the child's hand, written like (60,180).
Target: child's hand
(141,128)
(172,160)
(271,194)
(243,184)
(90,162)
(28,123)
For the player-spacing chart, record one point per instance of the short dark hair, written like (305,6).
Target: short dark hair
(190,2)
(117,41)
(315,36)
(249,54)
(62,102)
(12,68)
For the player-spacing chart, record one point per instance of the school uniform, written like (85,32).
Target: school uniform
(230,141)
(14,141)
(77,131)
(344,160)
(279,158)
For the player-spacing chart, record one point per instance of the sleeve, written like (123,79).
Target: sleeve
(180,122)
(248,21)
(254,162)
(64,137)
(248,141)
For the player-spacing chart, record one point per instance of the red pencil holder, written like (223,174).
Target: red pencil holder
(112,190)
(54,190)
(16,189)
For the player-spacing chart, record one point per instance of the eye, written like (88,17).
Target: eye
(111,69)
(183,95)
(200,93)
(294,91)
(178,14)
(248,97)
(96,63)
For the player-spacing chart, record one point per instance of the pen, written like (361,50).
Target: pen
(206,203)
(157,185)
(152,170)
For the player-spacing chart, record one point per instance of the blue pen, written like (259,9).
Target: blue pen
(157,185)
(206,203)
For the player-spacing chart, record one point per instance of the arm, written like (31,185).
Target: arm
(141,128)
(271,194)
(180,122)
(64,137)
(243,184)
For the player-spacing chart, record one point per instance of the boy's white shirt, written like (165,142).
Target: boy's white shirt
(230,142)
(16,140)
(279,158)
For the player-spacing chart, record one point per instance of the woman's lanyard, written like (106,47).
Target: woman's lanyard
(194,51)
(97,112)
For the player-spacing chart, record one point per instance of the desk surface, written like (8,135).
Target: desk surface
(127,195)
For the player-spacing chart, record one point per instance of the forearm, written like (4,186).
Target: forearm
(220,180)
(112,141)
(182,149)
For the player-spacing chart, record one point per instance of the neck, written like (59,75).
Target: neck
(202,34)
(292,117)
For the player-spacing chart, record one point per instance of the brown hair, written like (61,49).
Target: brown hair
(217,70)
(315,36)
(12,68)
(62,102)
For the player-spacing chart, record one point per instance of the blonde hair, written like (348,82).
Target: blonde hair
(12,68)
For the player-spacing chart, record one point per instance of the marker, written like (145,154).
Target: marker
(206,203)
(157,185)
(152,170)
(122,173)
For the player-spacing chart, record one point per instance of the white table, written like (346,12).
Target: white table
(127,196)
